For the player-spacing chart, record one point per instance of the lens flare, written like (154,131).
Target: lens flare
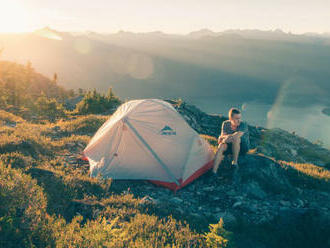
(140,66)
(82,45)
(13,17)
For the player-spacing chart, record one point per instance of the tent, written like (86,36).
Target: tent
(148,139)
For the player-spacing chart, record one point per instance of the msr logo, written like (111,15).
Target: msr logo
(167,131)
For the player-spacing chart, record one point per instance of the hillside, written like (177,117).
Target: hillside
(25,80)
(27,93)
(278,198)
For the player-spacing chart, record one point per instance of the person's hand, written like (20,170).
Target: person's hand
(228,139)
(222,139)
(237,134)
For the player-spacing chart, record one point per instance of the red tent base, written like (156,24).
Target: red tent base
(198,173)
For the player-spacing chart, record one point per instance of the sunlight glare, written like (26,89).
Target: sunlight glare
(13,17)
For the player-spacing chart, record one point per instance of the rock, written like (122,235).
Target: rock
(299,203)
(56,128)
(196,216)
(300,191)
(71,103)
(216,198)
(239,198)
(81,145)
(227,217)
(325,194)
(70,144)
(208,214)
(253,190)
(148,200)
(293,152)
(176,200)
(277,143)
(231,192)
(179,210)
(208,189)
(10,124)
(237,204)
(285,203)
(314,205)
(326,111)
(96,213)
(252,208)
(262,219)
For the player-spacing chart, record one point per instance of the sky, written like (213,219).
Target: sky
(169,16)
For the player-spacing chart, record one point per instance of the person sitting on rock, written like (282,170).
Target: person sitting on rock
(234,139)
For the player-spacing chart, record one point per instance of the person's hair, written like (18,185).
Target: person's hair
(233,111)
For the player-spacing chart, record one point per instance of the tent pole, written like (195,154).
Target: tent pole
(151,150)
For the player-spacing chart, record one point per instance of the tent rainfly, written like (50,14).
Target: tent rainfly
(148,139)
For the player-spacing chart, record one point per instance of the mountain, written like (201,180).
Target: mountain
(259,65)
(202,33)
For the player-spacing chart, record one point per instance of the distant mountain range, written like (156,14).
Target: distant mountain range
(240,65)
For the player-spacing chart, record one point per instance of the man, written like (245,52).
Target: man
(234,138)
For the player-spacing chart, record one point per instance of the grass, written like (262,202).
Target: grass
(7,117)
(280,144)
(74,206)
(82,125)
(307,175)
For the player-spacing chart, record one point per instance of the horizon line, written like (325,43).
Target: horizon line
(279,30)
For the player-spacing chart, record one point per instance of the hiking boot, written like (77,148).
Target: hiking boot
(235,177)
(234,165)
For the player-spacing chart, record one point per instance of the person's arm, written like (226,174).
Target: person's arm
(238,133)
(242,130)
(223,136)
(226,137)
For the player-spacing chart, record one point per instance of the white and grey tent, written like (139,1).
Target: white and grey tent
(148,139)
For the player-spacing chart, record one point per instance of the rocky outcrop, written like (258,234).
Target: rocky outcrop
(326,111)
(276,143)
(261,193)
(210,124)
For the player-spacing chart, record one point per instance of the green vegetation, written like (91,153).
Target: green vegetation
(139,231)
(219,237)
(94,103)
(23,216)
(29,94)
(71,206)
(308,175)
(82,125)
(46,203)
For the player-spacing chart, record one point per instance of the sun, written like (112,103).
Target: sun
(13,16)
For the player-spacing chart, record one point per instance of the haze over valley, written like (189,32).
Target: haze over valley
(277,78)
